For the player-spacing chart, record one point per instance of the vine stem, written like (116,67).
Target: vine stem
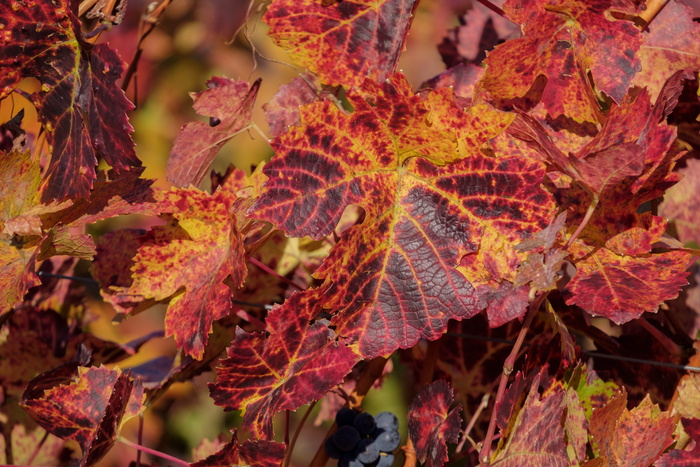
(508,366)
(670,346)
(477,413)
(38,448)
(290,449)
(153,452)
(493,8)
(653,7)
(372,372)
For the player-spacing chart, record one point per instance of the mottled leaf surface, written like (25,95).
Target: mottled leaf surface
(82,108)
(296,364)
(537,437)
(344,42)
(189,258)
(687,457)
(261,453)
(671,43)
(431,423)
(282,111)
(229,104)
(631,437)
(563,40)
(393,278)
(89,410)
(679,203)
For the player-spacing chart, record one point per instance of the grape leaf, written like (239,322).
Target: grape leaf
(671,43)
(431,423)
(227,101)
(537,437)
(631,437)
(89,410)
(296,364)
(261,453)
(282,111)
(393,278)
(82,108)
(676,457)
(343,42)
(563,40)
(679,201)
(198,248)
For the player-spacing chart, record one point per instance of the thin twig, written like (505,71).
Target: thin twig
(288,456)
(269,270)
(508,366)
(153,452)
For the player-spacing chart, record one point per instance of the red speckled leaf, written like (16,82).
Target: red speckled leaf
(631,437)
(689,457)
(564,40)
(393,279)
(344,42)
(89,410)
(431,423)
(229,104)
(261,453)
(283,110)
(536,433)
(672,43)
(80,104)
(622,288)
(680,203)
(295,365)
(199,247)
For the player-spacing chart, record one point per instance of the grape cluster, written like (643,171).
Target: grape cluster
(364,440)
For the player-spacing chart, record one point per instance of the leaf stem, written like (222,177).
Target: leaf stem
(507,370)
(37,448)
(653,7)
(670,346)
(493,8)
(153,452)
(472,421)
(584,222)
(290,448)
(269,270)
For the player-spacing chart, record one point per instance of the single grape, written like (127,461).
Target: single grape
(387,440)
(345,416)
(346,438)
(331,449)
(386,420)
(385,460)
(364,423)
(349,460)
(367,451)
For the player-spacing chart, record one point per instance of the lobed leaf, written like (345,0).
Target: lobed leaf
(260,453)
(295,365)
(342,42)
(82,108)
(431,423)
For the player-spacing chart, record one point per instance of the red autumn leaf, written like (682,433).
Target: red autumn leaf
(393,279)
(82,108)
(631,437)
(282,111)
(89,410)
(687,457)
(679,203)
(671,43)
(197,250)
(229,104)
(563,40)
(344,42)
(260,453)
(462,78)
(536,433)
(295,365)
(431,423)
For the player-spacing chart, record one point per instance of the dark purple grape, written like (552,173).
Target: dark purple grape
(387,440)
(364,423)
(350,460)
(367,451)
(386,420)
(331,449)
(385,460)
(346,438)
(345,416)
